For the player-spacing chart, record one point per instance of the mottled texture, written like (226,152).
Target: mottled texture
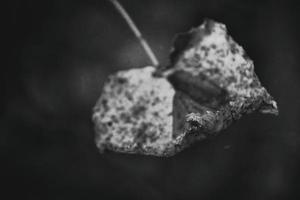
(209,84)
(134,113)
(212,69)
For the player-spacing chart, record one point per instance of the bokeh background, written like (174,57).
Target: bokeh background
(61,52)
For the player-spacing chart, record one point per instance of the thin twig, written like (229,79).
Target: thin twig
(136,32)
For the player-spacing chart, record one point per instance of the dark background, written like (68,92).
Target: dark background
(61,51)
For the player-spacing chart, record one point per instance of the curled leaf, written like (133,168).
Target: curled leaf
(209,84)
(212,69)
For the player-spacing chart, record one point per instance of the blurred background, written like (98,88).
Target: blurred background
(61,52)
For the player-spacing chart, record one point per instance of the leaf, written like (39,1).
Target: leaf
(209,83)
(134,113)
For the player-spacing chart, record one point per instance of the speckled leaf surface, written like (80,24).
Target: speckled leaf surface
(209,84)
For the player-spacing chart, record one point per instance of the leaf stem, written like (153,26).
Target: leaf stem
(136,32)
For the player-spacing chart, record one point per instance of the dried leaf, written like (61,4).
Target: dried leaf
(134,113)
(209,84)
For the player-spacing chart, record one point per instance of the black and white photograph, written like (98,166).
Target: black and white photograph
(150,100)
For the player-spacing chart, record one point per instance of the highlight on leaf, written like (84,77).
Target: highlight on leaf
(209,84)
